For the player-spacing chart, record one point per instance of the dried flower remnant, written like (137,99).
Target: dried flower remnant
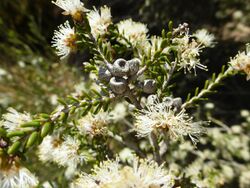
(64,40)
(159,117)
(75,8)
(241,62)
(99,22)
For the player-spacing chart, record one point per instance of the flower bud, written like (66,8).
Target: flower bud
(134,65)
(104,74)
(120,68)
(118,85)
(149,86)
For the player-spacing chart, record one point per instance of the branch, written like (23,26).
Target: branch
(209,88)
(165,84)
(156,148)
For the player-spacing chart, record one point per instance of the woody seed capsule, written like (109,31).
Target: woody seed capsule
(177,102)
(133,66)
(149,86)
(120,68)
(118,85)
(104,74)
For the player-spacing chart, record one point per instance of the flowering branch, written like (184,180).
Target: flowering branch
(209,86)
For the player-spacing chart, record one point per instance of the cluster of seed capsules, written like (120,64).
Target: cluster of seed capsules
(121,73)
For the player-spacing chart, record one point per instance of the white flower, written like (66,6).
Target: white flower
(53,99)
(188,54)
(75,8)
(134,32)
(150,174)
(143,174)
(48,148)
(126,155)
(64,40)
(241,62)
(99,22)
(63,152)
(161,118)
(67,154)
(205,38)
(17,177)
(13,119)
(93,124)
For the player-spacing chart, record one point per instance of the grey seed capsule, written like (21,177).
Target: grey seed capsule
(168,101)
(149,86)
(118,85)
(120,68)
(104,74)
(177,102)
(134,65)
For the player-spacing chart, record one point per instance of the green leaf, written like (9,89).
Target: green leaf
(14,148)
(15,133)
(163,33)
(32,139)
(43,115)
(196,91)
(31,124)
(98,108)
(62,102)
(87,110)
(164,43)
(47,127)
(170,25)
(169,35)
(2,131)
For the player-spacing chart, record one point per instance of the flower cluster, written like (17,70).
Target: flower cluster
(142,174)
(75,8)
(64,152)
(93,124)
(13,176)
(135,35)
(241,62)
(64,40)
(99,22)
(162,118)
(13,119)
